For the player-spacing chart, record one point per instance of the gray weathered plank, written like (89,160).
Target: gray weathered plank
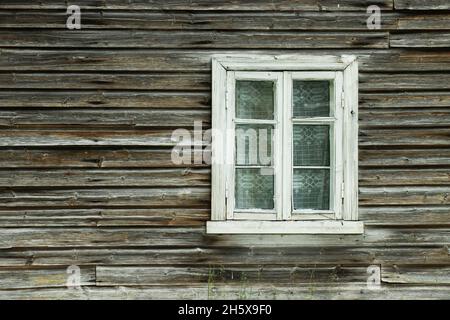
(185,39)
(217,275)
(416,275)
(432,39)
(405,137)
(405,215)
(197,197)
(236,292)
(83,157)
(103,118)
(202,5)
(226,256)
(404,157)
(410,195)
(404,100)
(123,81)
(199,60)
(104,217)
(106,178)
(422,5)
(388,177)
(43,278)
(105,99)
(194,237)
(426,117)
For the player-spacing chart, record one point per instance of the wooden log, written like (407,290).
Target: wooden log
(187,40)
(175,20)
(422,5)
(398,177)
(104,99)
(194,197)
(405,137)
(104,217)
(420,195)
(398,82)
(404,118)
(43,278)
(101,118)
(129,138)
(218,275)
(200,5)
(109,81)
(184,177)
(226,256)
(199,60)
(399,100)
(404,157)
(85,157)
(420,40)
(229,292)
(416,275)
(405,215)
(195,237)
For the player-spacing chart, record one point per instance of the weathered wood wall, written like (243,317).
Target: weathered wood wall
(86,178)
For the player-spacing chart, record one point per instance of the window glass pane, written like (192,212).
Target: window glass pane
(311,189)
(254,99)
(254,144)
(311,98)
(254,189)
(311,145)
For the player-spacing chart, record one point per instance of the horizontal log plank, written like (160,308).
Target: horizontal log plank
(422,5)
(404,137)
(104,118)
(200,60)
(228,256)
(43,278)
(398,82)
(184,39)
(153,138)
(424,177)
(228,292)
(404,118)
(405,215)
(404,157)
(164,276)
(104,99)
(420,40)
(414,195)
(104,217)
(201,5)
(194,237)
(197,197)
(93,158)
(128,81)
(113,19)
(104,178)
(416,275)
(398,100)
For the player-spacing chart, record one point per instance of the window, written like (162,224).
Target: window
(284,148)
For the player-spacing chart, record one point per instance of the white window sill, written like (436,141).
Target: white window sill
(285,227)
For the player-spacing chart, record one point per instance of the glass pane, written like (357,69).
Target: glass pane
(254,144)
(311,189)
(254,189)
(311,145)
(254,99)
(311,98)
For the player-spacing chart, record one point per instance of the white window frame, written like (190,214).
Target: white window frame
(343,71)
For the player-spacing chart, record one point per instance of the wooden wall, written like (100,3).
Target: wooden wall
(86,178)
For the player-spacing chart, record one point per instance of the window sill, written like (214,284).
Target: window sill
(285,227)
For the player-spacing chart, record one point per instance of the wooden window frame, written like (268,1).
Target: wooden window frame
(343,71)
